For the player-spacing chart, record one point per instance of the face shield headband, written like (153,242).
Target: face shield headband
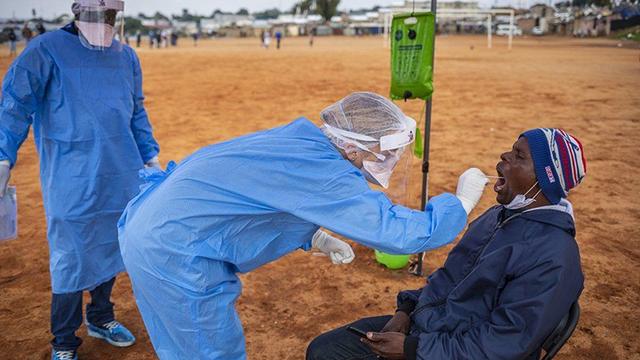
(390,142)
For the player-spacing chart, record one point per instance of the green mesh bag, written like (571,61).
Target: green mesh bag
(412,37)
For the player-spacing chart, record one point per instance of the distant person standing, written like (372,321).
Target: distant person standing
(138,38)
(195,37)
(27,34)
(165,38)
(40,28)
(278,39)
(12,43)
(174,38)
(152,38)
(312,33)
(266,41)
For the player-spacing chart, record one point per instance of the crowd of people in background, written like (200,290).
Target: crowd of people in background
(158,38)
(27,34)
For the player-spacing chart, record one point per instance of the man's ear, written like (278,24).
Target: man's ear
(351,151)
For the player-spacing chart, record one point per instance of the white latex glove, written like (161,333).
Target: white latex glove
(5,174)
(471,185)
(338,251)
(153,163)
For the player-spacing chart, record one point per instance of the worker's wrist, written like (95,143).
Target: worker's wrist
(411,347)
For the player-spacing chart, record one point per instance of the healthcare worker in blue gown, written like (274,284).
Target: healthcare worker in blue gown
(81,90)
(232,207)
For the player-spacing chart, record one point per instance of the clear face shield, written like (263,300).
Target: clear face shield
(98,22)
(392,147)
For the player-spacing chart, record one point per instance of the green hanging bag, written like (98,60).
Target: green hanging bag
(412,37)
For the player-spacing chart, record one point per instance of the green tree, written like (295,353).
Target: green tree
(267,14)
(160,16)
(327,8)
(243,11)
(303,6)
(131,25)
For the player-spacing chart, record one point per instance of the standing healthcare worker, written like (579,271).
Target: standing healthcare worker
(82,92)
(235,206)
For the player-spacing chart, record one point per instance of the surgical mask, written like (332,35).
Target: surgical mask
(379,172)
(96,34)
(520,201)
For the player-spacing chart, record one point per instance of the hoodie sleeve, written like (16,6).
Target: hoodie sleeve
(530,306)
(407,300)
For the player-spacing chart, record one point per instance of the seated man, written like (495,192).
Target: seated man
(505,286)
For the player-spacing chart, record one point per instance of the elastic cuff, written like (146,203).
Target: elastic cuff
(407,307)
(411,347)
(306,246)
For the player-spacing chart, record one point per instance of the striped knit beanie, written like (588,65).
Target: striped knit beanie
(558,159)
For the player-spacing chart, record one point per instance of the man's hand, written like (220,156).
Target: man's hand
(400,322)
(389,345)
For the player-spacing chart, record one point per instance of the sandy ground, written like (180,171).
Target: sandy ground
(484,99)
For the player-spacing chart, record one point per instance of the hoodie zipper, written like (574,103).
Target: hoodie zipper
(475,262)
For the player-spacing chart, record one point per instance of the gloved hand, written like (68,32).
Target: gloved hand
(153,163)
(339,251)
(5,174)
(470,187)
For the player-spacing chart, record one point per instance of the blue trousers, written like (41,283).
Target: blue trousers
(66,314)
(340,344)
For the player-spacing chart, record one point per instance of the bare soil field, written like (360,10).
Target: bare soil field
(484,99)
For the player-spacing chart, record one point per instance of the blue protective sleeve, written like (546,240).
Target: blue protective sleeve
(529,307)
(140,125)
(22,92)
(368,217)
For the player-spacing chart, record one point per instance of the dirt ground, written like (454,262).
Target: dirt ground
(483,100)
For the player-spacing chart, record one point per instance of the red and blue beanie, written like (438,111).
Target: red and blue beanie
(558,160)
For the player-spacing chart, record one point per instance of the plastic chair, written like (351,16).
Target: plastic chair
(562,332)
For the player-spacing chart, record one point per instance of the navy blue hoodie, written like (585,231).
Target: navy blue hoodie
(502,290)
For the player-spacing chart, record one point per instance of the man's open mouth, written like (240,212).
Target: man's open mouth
(501,182)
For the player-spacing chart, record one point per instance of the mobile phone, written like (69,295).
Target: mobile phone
(355,331)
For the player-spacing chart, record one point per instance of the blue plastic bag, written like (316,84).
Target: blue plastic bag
(9,215)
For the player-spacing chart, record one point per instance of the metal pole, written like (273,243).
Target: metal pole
(489,29)
(511,29)
(417,270)
(387,30)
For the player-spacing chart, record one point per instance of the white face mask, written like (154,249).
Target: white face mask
(520,201)
(96,34)
(379,172)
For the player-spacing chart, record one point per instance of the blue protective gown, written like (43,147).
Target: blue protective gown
(92,135)
(237,205)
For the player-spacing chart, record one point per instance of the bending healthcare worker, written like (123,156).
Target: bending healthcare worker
(234,206)
(81,90)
